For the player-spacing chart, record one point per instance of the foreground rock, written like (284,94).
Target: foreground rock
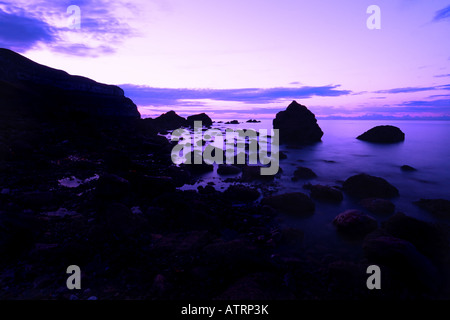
(438,207)
(366,186)
(203,117)
(168,121)
(297,125)
(383,134)
(303,173)
(324,193)
(378,206)
(29,88)
(355,223)
(295,203)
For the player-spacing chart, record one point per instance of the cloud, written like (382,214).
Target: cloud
(103,29)
(20,32)
(443,14)
(441,104)
(144,95)
(442,75)
(414,89)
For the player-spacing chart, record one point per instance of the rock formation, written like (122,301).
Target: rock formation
(383,134)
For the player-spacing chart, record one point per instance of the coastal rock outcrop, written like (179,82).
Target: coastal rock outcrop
(366,186)
(297,125)
(29,88)
(355,223)
(383,134)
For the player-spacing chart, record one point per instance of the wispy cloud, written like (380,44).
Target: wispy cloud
(20,32)
(414,89)
(442,75)
(443,14)
(144,95)
(23,25)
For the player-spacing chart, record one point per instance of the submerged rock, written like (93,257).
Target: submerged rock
(241,193)
(355,223)
(438,207)
(378,206)
(297,125)
(366,186)
(303,173)
(324,193)
(383,134)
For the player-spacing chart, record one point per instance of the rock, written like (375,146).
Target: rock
(232,122)
(438,207)
(295,203)
(383,134)
(378,206)
(424,236)
(34,89)
(110,187)
(36,199)
(168,121)
(241,193)
(366,186)
(206,189)
(253,121)
(402,256)
(405,167)
(325,193)
(282,155)
(354,223)
(297,125)
(203,117)
(228,169)
(121,221)
(303,173)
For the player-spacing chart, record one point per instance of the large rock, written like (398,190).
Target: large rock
(297,125)
(355,223)
(203,117)
(438,207)
(383,134)
(303,173)
(29,88)
(378,206)
(324,193)
(366,186)
(168,121)
(295,203)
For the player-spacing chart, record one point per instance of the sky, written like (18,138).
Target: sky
(248,58)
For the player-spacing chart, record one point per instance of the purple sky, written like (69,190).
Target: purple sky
(248,58)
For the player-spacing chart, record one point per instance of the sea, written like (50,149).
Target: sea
(340,155)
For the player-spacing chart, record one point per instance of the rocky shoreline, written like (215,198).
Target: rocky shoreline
(103,193)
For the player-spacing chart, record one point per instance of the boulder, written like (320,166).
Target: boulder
(232,122)
(383,134)
(324,193)
(378,206)
(438,207)
(29,88)
(110,187)
(355,223)
(253,121)
(241,193)
(168,121)
(405,167)
(366,186)
(203,117)
(303,173)
(295,203)
(297,125)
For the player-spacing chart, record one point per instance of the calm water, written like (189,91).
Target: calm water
(340,155)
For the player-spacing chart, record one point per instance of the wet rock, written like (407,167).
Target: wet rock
(295,203)
(241,193)
(405,167)
(303,173)
(253,173)
(325,193)
(203,117)
(17,234)
(36,199)
(208,189)
(427,239)
(354,223)
(151,186)
(366,186)
(253,121)
(297,125)
(121,221)
(402,256)
(378,206)
(383,134)
(228,169)
(438,207)
(232,122)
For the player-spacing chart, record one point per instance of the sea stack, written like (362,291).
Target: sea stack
(297,125)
